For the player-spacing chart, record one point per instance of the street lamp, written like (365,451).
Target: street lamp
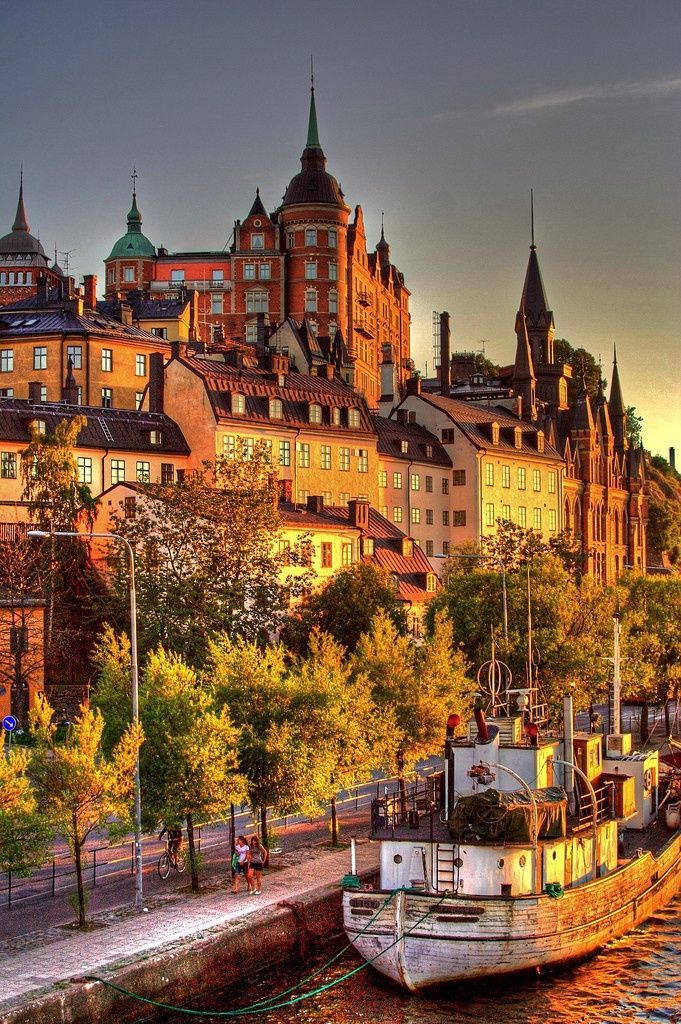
(135,686)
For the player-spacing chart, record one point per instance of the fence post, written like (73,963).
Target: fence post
(94,867)
(356,797)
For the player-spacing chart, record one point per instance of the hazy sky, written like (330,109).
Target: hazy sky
(442,114)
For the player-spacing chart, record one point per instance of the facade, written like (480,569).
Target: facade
(22,654)
(303,261)
(23,259)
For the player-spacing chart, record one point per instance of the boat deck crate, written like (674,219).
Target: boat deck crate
(624,793)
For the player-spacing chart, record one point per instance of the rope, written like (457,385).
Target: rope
(260,1006)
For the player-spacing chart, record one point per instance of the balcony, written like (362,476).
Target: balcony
(364,298)
(168,287)
(364,326)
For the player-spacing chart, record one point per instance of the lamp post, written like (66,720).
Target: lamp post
(135,685)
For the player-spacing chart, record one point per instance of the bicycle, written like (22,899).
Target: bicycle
(171,859)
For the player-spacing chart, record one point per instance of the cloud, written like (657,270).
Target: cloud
(616,91)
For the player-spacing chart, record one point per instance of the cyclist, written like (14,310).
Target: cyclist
(174,840)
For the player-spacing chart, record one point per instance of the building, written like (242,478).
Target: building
(22,653)
(303,261)
(23,259)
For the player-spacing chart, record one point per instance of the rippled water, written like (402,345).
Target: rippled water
(636,979)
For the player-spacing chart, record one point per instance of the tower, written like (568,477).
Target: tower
(524,380)
(618,412)
(22,258)
(130,264)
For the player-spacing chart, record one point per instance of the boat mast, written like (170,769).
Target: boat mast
(615,700)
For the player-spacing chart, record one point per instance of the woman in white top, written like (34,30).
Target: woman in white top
(241,852)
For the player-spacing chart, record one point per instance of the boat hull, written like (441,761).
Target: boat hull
(420,939)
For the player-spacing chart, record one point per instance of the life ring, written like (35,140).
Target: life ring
(648,780)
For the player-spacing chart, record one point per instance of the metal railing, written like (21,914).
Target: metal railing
(391,811)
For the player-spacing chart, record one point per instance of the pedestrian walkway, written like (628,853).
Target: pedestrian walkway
(31,964)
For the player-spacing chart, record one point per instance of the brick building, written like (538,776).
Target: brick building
(23,259)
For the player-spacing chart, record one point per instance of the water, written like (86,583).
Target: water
(636,979)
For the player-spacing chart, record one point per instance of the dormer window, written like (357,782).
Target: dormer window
(407,547)
(257,240)
(38,427)
(155,437)
(367,546)
(238,404)
(431,582)
(404,447)
(495,433)
(518,437)
(336,417)
(353,419)
(540,441)
(315,413)
(276,409)
(429,451)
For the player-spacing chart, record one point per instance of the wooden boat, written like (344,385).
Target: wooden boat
(527,849)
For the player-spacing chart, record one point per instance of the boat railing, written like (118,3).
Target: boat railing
(423,797)
(605,807)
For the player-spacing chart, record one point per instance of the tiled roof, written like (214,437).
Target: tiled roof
(25,319)
(391,434)
(108,429)
(475,422)
(259,385)
(147,309)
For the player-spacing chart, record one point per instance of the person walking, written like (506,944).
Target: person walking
(258,859)
(241,866)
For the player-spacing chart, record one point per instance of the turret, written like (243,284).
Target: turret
(617,409)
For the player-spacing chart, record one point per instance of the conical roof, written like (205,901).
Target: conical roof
(313,184)
(616,403)
(533,300)
(523,368)
(133,243)
(20,239)
(257,210)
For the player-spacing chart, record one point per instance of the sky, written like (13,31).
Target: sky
(444,115)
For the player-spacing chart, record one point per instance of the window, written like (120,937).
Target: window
(445,485)
(247,448)
(310,271)
(445,518)
(344,458)
(143,472)
(315,413)
(128,275)
(310,301)
(429,517)
(333,302)
(353,419)
(552,520)
(107,360)
(430,582)
(177,275)
(6,392)
(459,517)
(285,552)
(522,478)
(310,236)
(110,276)
(155,437)
(536,519)
(552,481)
(328,497)
(489,474)
(107,398)
(404,447)
(415,482)
(302,497)
(495,432)
(536,480)
(368,546)
(336,417)
(249,271)
(505,476)
(40,358)
(346,554)
(363,460)
(429,548)
(160,332)
(257,302)
(43,392)
(217,275)
(325,456)
(397,481)
(343,498)
(303,450)
(251,333)
(333,271)
(382,478)
(276,409)
(397,514)
(416,515)
(6,360)
(445,547)
(284,453)
(238,404)
(327,554)
(429,485)
(216,303)
(290,239)
(540,441)
(257,240)
(506,512)
(140,365)
(522,516)
(383,510)
(489,513)
(265,271)
(333,238)
(139,397)
(167,473)
(459,478)
(117,471)
(75,354)
(8,466)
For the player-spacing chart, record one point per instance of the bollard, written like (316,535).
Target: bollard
(353,855)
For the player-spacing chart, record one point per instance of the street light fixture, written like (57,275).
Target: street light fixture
(135,685)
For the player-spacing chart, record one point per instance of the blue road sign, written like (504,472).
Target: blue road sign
(9,723)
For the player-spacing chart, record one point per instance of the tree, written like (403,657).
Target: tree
(583,366)
(634,427)
(80,790)
(25,834)
(56,497)
(21,623)
(344,607)
(205,555)
(189,759)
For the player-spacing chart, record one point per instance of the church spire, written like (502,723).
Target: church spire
(617,408)
(20,221)
(312,130)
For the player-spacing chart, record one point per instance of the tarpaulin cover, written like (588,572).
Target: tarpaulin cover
(507,817)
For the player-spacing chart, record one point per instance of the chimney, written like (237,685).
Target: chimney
(234,357)
(358,510)
(672,458)
(414,386)
(402,416)
(125,314)
(261,335)
(178,349)
(329,371)
(315,503)
(42,292)
(285,490)
(69,392)
(444,355)
(388,375)
(155,392)
(34,387)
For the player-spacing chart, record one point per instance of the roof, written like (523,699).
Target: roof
(147,309)
(259,385)
(475,422)
(419,442)
(313,183)
(108,429)
(533,300)
(22,318)
(257,210)
(133,243)
(20,239)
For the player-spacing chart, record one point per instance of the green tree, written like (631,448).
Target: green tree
(80,790)
(205,550)
(189,759)
(56,497)
(583,365)
(25,834)
(344,607)
(634,427)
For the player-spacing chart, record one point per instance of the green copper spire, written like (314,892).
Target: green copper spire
(312,130)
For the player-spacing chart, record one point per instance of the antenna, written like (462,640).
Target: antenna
(312,72)
(532,245)
(436,341)
(66,254)
(134,177)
